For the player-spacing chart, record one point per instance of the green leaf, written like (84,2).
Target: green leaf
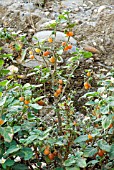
(90,103)
(60,52)
(19,166)
(4,72)
(23,54)
(14,109)
(106,121)
(39,98)
(0,94)
(2,101)
(36,106)
(111,89)
(81,163)
(1,63)
(12,149)
(5,55)
(16,129)
(7,133)
(104,145)
(90,151)
(91,94)
(73,168)
(87,54)
(81,138)
(8,162)
(111,154)
(4,83)
(28,153)
(104,109)
(69,162)
(93,162)
(59,168)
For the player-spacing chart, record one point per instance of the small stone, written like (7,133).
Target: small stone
(47,13)
(76,10)
(102,48)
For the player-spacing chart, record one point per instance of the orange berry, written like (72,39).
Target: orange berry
(87,85)
(41,102)
(31,57)
(90,137)
(74,123)
(52,59)
(46,53)
(58,91)
(60,86)
(26,101)
(1,122)
(88,73)
(69,46)
(21,99)
(66,48)
(60,81)
(111,125)
(101,153)
(56,94)
(63,43)
(50,40)
(96,125)
(55,153)
(31,52)
(69,34)
(56,120)
(51,156)
(46,151)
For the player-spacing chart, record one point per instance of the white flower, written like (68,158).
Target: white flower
(12,69)
(112,79)
(2,160)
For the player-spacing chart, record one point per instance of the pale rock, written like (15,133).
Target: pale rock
(60,36)
(101,8)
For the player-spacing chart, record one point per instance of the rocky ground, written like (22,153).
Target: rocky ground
(94,21)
